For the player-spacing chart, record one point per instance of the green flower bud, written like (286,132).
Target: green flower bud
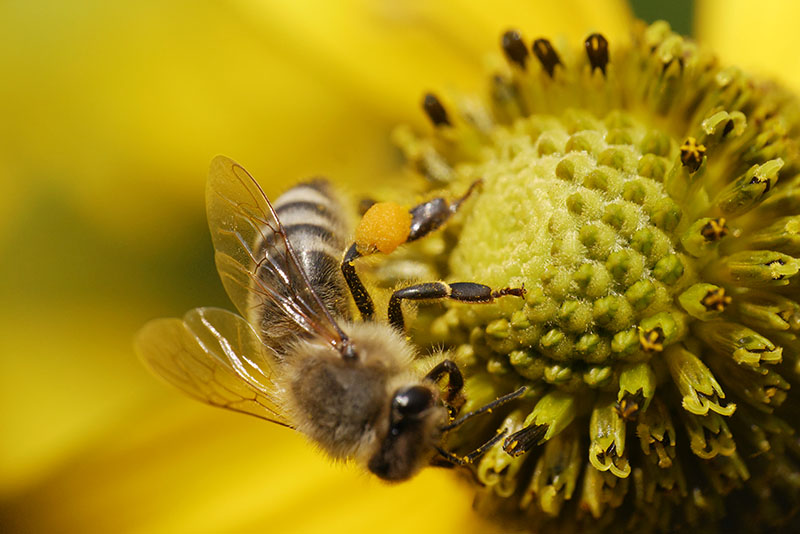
(703,236)
(751,188)
(657,434)
(498,470)
(607,435)
(637,385)
(768,311)
(556,474)
(709,435)
(701,391)
(552,414)
(744,346)
(756,268)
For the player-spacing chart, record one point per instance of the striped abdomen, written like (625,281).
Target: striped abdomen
(316,224)
(315,221)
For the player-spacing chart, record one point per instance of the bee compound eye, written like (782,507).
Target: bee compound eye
(412,401)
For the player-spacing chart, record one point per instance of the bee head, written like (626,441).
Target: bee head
(414,418)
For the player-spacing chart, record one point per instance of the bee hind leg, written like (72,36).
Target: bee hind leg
(394,231)
(459,291)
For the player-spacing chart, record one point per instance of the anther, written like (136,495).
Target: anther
(597,51)
(546,55)
(514,48)
(716,300)
(714,230)
(728,128)
(692,154)
(435,110)
(628,408)
(762,180)
(672,60)
(652,340)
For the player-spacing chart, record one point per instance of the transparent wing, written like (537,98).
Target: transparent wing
(254,257)
(216,357)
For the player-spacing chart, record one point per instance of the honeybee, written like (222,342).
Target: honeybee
(296,356)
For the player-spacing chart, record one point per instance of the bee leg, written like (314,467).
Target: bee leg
(455,380)
(460,291)
(474,455)
(425,218)
(486,408)
(445,460)
(524,440)
(360,294)
(430,215)
(365,204)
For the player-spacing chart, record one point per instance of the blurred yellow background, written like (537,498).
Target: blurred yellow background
(109,115)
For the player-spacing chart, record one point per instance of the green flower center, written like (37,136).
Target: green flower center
(646,199)
(576,209)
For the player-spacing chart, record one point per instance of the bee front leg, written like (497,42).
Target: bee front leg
(459,291)
(455,380)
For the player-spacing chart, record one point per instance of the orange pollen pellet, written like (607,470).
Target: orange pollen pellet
(384,227)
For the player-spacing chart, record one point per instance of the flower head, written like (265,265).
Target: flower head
(646,198)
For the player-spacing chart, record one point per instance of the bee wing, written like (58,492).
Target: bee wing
(254,257)
(216,357)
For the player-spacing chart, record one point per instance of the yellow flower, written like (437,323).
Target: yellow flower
(111,112)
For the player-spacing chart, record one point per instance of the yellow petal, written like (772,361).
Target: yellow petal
(175,466)
(120,106)
(386,54)
(761,37)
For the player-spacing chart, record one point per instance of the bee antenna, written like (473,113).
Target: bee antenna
(487,408)
(474,455)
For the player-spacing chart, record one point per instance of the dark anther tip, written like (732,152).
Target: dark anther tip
(597,51)
(546,55)
(514,48)
(435,110)
(728,128)
(692,154)
(714,230)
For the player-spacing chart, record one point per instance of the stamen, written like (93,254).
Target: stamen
(515,48)
(714,230)
(652,340)
(692,154)
(716,300)
(597,51)
(630,404)
(435,110)
(546,55)
(637,386)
